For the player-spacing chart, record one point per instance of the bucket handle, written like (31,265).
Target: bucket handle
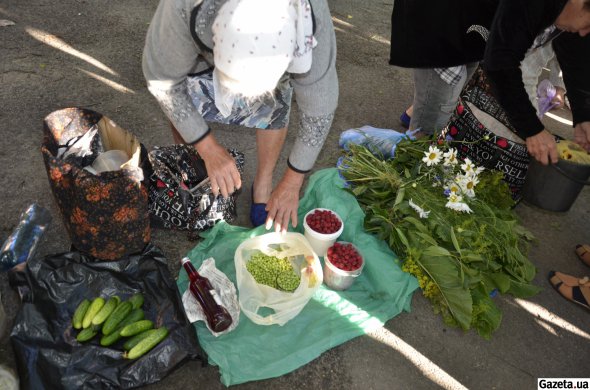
(564,173)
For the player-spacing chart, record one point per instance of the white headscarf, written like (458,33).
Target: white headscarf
(255,42)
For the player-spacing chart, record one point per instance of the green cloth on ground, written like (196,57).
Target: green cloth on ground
(253,352)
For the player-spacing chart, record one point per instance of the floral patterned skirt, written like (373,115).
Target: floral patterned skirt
(271,112)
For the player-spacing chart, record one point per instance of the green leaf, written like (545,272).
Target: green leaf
(523,290)
(402,238)
(417,224)
(471,257)
(486,316)
(521,231)
(445,274)
(436,251)
(427,238)
(400,196)
(501,281)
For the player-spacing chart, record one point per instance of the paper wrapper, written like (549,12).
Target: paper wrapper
(224,288)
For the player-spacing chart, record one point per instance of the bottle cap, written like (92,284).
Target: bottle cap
(185,260)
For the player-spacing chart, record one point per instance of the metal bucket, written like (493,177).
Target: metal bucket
(554,187)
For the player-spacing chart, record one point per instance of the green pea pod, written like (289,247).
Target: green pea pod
(147,344)
(79,314)
(92,311)
(106,311)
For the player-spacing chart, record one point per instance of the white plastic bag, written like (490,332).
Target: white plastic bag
(286,305)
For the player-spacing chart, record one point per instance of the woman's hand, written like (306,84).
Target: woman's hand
(542,147)
(284,202)
(221,167)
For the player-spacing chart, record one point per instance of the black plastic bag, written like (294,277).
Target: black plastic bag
(47,353)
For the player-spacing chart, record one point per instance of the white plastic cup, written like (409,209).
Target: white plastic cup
(321,242)
(339,279)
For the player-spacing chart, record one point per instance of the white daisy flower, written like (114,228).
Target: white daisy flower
(468,183)
(453,187)
(456,203)
(479,170)
(433,156)
(421,212)
(450,157)
(455,198)
(468,167)
(462,207)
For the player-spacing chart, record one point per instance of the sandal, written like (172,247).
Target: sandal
(583,252)
(258,211)
(580,288)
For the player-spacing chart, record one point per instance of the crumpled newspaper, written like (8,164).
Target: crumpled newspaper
(224,288)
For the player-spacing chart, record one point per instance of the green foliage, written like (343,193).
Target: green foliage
(458,257)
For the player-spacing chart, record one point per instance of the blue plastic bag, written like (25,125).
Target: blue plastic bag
(381,142)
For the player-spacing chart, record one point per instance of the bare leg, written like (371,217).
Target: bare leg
(176,135)
(269,144)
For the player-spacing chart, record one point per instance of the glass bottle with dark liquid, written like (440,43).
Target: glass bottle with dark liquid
(218,317)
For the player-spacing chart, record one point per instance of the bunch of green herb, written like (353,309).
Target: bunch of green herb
(451,224)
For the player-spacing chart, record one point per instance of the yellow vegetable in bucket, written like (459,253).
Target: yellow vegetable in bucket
(572,152)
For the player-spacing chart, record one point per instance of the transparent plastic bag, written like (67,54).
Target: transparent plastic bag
(380,142)
(20,246)
(284,305)
(546,92)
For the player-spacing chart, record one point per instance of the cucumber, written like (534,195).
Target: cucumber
(107,340)
(106,311)
(136,300)
(79,314)
(147,344)
(132,342)
(122,310)
(94,308)
(136,328)
(134,316)
(87,334)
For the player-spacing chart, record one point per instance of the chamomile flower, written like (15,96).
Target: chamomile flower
(450,157)
(421,212)
(468,166)
(467,183)
(479,170)
(455,202)
(433,156)
(453,187)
